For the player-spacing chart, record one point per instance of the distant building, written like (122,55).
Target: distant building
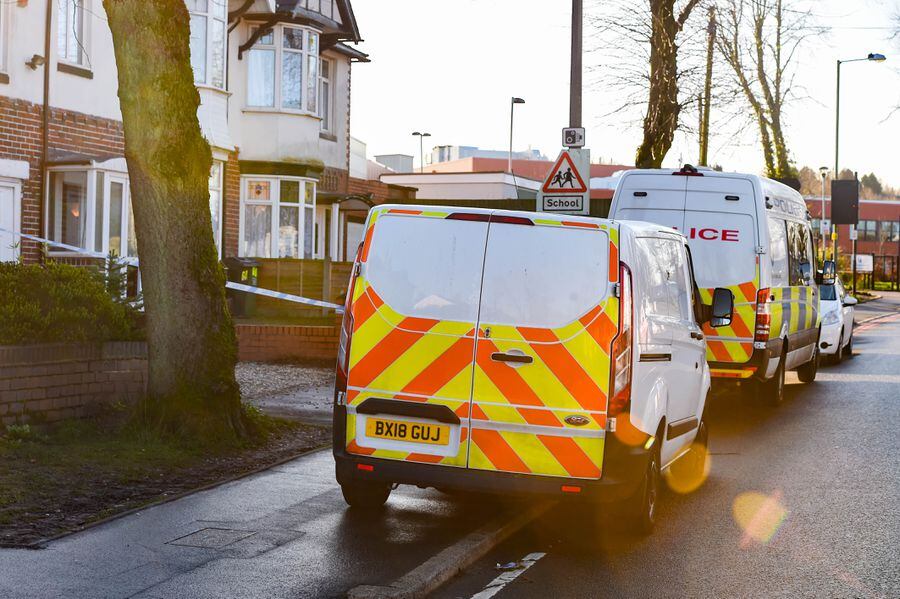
(450,153)
(399,163)
(878,231)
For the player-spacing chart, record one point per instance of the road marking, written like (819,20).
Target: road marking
(504,579)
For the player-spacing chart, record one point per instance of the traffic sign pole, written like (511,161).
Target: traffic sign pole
(575,75)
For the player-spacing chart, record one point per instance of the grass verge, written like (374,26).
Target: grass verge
(60,478)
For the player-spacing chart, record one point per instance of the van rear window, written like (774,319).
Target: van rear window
(543,277)
(723,247)
(428,267)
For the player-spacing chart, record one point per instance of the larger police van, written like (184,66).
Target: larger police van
(521,352)
(752,235)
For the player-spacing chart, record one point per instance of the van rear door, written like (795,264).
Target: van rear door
(720,222)
(547,320)
(651,197)
(414,309)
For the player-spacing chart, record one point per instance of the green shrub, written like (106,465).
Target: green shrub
(61,303)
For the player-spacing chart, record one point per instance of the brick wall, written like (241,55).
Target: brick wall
(232,205)
(46,383)
(275,343)
(69,132)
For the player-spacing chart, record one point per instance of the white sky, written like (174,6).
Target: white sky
(450,67)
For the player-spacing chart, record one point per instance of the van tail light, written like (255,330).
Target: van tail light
(620,373)
(763,316)
(343,357)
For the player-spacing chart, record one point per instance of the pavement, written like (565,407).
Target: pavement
(800,500)
(283,533)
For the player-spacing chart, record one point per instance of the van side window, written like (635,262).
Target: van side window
(657,300)
(778,252)
(680,288)
(798,252)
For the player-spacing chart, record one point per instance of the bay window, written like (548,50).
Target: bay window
(70,31)
(277,217)
(208,37)
(282,70)
(325,74)
(89,209)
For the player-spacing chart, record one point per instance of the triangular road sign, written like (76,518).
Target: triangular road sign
(564,177)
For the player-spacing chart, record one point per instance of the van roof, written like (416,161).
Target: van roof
(770,187)
(410,208)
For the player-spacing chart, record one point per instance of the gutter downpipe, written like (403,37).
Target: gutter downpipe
(45,112)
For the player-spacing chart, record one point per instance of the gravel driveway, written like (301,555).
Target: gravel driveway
(288,390)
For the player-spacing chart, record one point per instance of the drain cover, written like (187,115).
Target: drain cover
(212,538)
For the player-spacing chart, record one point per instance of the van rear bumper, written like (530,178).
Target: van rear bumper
(759,360)
(623,471)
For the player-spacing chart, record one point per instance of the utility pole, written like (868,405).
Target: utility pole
(575,76)
(706,103)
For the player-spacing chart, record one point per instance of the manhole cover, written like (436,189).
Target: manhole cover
(212,538)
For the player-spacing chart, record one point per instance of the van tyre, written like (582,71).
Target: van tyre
(772,391)
(807,372)
(646,500)
(849,351)
(365,495)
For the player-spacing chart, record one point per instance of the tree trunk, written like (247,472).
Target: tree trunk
(190,335)
(663,108)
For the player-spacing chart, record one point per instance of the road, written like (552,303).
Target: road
(800,500)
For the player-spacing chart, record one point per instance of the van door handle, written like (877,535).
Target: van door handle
(696,335)
(517,358)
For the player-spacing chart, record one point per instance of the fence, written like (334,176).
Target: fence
(315,279)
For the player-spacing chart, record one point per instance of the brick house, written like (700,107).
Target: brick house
(274,82)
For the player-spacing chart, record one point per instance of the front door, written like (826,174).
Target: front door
(10,214)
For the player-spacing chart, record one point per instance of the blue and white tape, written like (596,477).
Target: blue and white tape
(230,285)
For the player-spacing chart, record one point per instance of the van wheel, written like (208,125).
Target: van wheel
(772,391)
(365,495)
(807,372)
(839,354)
(849,351)
(644,503)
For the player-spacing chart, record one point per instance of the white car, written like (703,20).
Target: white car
(836,308)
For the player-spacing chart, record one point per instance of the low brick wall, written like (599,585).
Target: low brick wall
(45,383)
(274,343)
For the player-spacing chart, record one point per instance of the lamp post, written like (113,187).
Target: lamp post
(512,104)
(421,136)
(823,170)
(872,57)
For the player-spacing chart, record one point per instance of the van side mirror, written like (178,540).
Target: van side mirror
(722,307)
(850,301)
(829,272)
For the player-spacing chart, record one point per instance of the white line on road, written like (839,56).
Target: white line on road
(504,579)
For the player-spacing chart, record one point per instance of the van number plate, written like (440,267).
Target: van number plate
(414,432)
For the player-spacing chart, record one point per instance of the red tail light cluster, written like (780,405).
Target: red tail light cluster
(343,358)
(763,316)
(620,373)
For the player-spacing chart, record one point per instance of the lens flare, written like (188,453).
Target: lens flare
(627,431)
(759,516)
(689,472)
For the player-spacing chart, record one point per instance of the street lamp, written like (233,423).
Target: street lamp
(512,104)
(872,57)
(823,170)
(421,149)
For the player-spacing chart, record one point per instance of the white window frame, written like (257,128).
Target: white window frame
(326,95)
(275,203)
(219,186)
(3,36)
(209,17)
(278,47)
(90,203)
(63,29)
(16,186)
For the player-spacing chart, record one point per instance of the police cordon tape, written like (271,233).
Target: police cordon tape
(230,284)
